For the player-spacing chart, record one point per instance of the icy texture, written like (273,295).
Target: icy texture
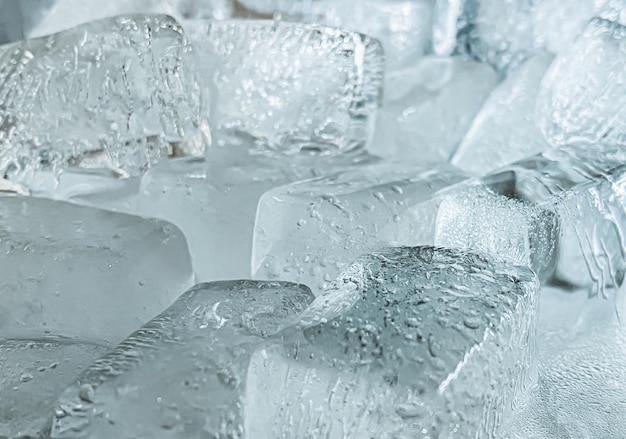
(429,106)
(584,187)
(290,86)
(402,26)
(479,219)
(505,130)
(310,231)
(214,202)
(183,374)
(117,94)
(81,272)
(409,342)
(581,95)
(581,392)
(32,375)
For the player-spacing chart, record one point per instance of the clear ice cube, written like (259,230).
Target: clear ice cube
(429,106)
(182,374)
(309,231)
(81,272)
(290,86)
(580,95)
(116,94)
(504,130)
(408,342)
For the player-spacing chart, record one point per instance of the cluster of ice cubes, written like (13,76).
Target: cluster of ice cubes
(312,219)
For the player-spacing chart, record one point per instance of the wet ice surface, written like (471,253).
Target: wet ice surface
(143,389)
(310,231)
(116,94)
(407,342)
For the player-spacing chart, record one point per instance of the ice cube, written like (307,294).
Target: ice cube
(408,342)
(505,129)
(500,33)
(583,185)
(290,86)
(580,391)
(580,95)
(310,231)
(429,106)
(33,373)
(183,374)
(81,272)
(117,94)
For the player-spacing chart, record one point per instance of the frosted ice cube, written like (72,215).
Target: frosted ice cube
(117,94)
(290,86)
(504,130)
(309,231)
(81,272)
(214,201)
(429,106)
(33,373)
(183,374)
(581,94)
(408,342)
(478,219)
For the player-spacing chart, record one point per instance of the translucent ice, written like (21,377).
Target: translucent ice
(429,106)
(80,272)
(117,94)
(290,86)
(310,231)
(408,342)
(505,129)
(182,374)
(581,94)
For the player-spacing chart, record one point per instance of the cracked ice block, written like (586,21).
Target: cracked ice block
(290,86)
(73,280)
(310,231)
(408,342)
(182,374)
(505,130)
(582,95)
(117,94)
(429,106)
(82,272)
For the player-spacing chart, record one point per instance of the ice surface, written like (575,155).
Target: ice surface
(80,272)
(290,86)
(479,219)
(117,94)
(581,392)
(310,231)
(402,26)
(583,186)
(505,129)
(214,201)
(429,106)
(183,374)
(408,342)
(32,375)
(581,94)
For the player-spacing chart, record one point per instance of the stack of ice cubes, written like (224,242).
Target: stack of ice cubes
(312,219)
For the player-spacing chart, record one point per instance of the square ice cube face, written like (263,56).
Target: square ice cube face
(309,231)
(117,94)
(408,342)
(182,374)
(290,86)
(84,273)
(582,95)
